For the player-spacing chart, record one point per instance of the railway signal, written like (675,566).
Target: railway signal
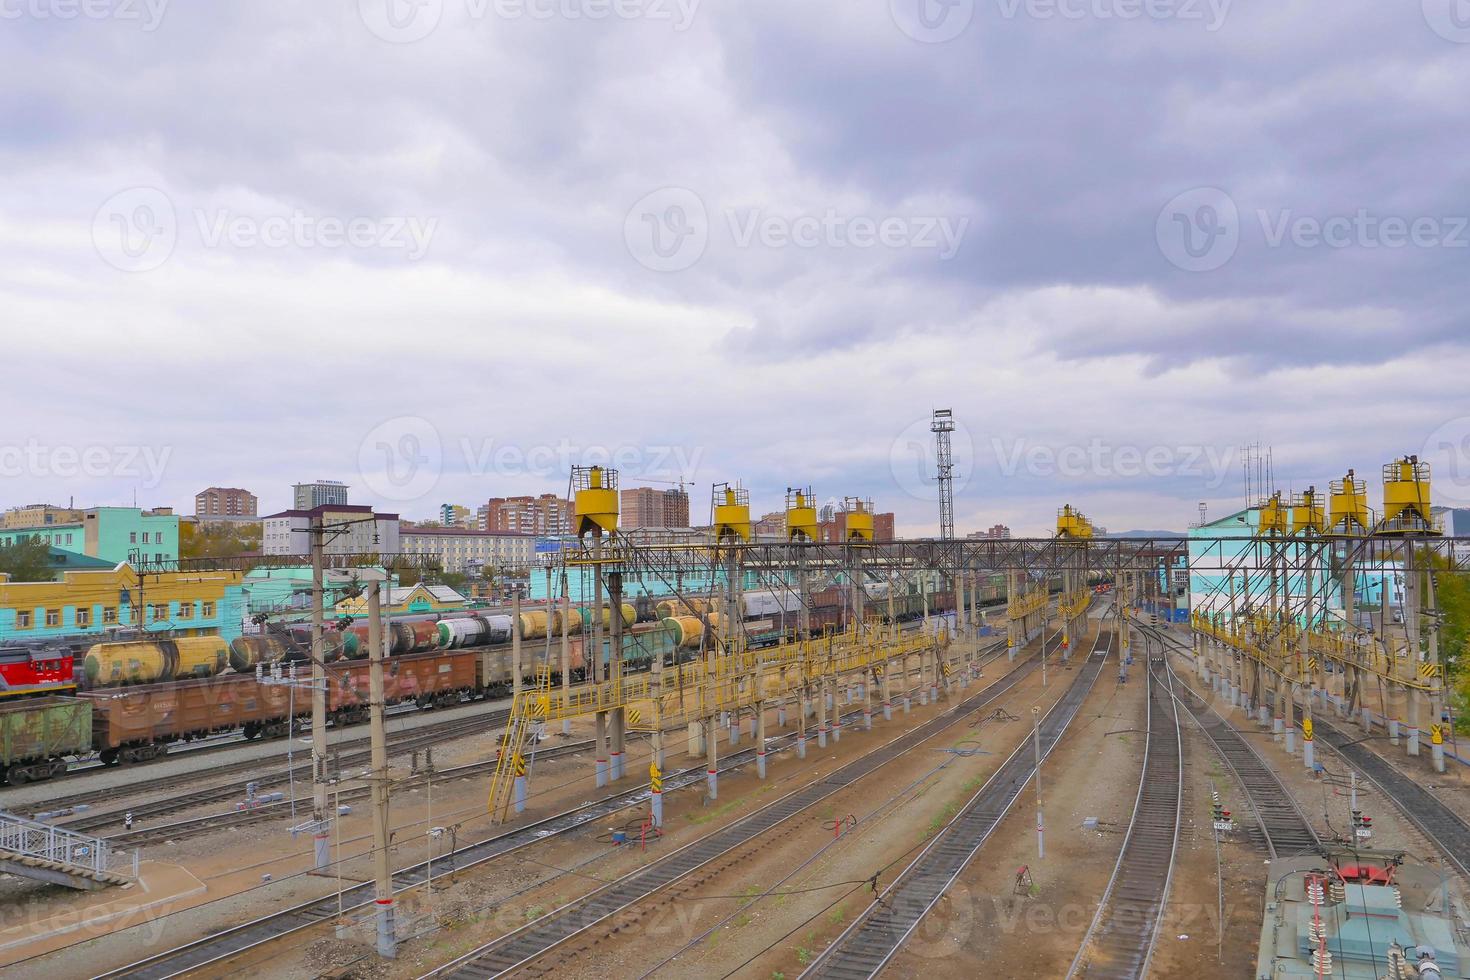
(1219,816)
(1362,826)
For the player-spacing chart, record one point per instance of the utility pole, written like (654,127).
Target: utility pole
(1036,742)
(322,832)
(382,873)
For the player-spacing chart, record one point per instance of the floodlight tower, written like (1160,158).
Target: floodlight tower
(942,425)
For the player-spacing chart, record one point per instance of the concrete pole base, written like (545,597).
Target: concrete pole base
(520,793)
(760,764)
(801,746)
(600,768)
(1413,740)
(1291,741)
(887,711)
(821,736)
(387,929)
(1437,754)
(656,808)
(321,850)
(780,717)
(1367,720)
(615,767)
(836,730)
(1309,756)
(907,705)
(868,720)
(1393,731)
(735,734)
(712,783)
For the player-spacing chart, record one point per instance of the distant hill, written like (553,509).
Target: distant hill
(1145,534)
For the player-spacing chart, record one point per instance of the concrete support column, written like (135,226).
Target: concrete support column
(711,761)
(1414,720)
(599,727)
(619,737)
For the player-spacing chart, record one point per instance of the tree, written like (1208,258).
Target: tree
(218,540)
(28,560)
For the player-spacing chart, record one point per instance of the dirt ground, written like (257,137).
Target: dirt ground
(232,863)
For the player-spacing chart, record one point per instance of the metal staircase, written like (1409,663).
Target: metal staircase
(56,855)
(526,711)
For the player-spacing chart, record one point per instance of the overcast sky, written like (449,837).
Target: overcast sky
(442,250)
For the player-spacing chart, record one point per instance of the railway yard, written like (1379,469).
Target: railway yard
(1057,777)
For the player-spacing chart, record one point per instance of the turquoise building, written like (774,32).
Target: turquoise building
(111,534)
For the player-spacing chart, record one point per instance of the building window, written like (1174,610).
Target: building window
(158,611)
(208,611)
(53,617)
(84,617)
(109,615)
(22,620)
(186,610)
(132,537)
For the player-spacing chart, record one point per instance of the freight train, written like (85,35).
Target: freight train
(143,695)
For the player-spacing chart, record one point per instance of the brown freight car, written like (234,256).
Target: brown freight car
(133,724)
(434,679)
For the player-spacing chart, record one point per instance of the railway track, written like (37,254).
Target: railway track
(1281,827)
(1120,941)
(233,941)
(1431,815)
(398,743)
(866,947)
(196,826)
(535,939)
